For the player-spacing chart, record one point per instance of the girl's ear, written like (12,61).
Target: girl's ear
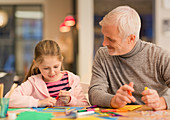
(34,62)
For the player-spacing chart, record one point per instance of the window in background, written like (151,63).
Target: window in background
(19,37)
(7,59)
(28,32)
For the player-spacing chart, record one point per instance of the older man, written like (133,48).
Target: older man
(127,65)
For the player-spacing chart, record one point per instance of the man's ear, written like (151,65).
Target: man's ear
(131,38)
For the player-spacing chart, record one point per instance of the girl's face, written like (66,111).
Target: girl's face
(50,68)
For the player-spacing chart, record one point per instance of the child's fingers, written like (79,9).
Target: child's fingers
(64,93)
(65,100)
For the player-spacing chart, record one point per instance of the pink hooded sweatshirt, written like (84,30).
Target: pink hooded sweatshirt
(34,89)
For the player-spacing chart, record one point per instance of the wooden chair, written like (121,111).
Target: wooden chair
(85,87)
(7,79)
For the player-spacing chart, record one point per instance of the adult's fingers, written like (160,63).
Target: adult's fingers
(126,88)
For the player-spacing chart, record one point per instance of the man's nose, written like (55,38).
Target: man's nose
(105,43)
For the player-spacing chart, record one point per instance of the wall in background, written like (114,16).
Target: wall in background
(162,26)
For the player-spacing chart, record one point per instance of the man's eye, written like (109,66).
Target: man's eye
(109,39)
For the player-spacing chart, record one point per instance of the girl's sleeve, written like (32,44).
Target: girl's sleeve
(21,97)
(77,96)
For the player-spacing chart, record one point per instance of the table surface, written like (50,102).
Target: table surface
(143,113)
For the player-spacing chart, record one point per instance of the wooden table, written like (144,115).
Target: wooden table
(145,113)
(138,114)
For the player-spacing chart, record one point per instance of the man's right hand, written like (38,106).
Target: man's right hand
(122,97)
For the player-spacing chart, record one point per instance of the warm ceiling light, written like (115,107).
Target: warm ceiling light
(64,28)
(3,18)
(69,21)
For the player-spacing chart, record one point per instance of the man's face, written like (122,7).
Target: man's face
(115,44)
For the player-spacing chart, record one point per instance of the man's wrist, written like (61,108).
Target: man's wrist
(163,105)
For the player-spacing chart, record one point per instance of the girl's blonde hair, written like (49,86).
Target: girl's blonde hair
(44,48)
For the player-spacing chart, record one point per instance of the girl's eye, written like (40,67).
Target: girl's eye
(55,66)
(45,68)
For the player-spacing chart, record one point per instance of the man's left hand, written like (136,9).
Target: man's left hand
(152,99)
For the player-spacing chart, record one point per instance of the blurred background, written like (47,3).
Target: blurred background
(23,23)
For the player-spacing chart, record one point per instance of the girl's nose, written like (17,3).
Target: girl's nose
(52,71)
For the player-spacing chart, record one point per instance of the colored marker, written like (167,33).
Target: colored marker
(68,112)
(81,110)
(45,108)
(112,114)
(129,92)
(146,88)
(113,110)
(94,106)
(93,109)
(85,113)
(57,97)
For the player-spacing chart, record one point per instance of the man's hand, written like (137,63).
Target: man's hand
(152,99)
(47,102)
(122,97)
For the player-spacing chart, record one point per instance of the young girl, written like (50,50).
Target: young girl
(45,83)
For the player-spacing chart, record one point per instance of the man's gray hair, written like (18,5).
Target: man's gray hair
(126,19)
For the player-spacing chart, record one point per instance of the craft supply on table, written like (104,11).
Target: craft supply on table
(94,106)
(146,88)
(12,89)
(85,113)
(4,102)
(130,107)
(1,90)
(56,109)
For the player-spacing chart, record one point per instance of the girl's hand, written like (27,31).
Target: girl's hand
(122,96)
(152,99)
(64,96)
(47,102)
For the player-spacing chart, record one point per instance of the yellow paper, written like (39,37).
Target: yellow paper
(130,107)
(89,118)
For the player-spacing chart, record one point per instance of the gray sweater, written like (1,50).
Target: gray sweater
(147,65)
